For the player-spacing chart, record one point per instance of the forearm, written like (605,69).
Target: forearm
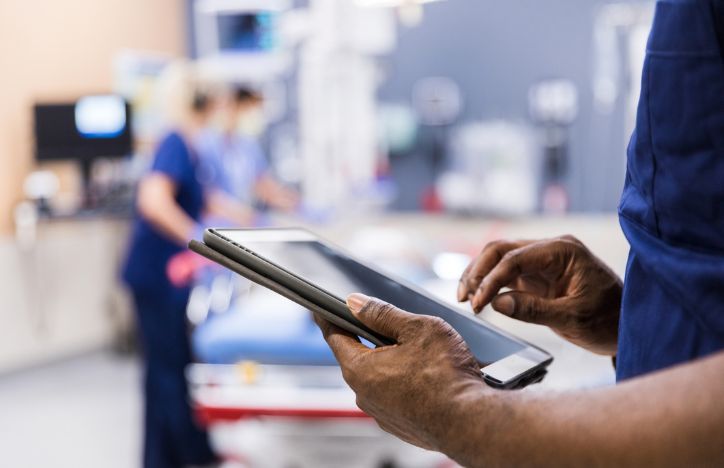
(173,222)
(157,205)
(223,206)
(274,194)
(671,418)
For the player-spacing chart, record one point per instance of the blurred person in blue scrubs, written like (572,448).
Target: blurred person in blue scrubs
(663,326)
(233,162)
(171,201)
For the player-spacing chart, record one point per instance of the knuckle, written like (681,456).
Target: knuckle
(377,308)
(572,246)
(436,323)
(527,311)
(510,257)
(416,325)
(437,329)
(385,312)
(379,311)
(495,245)
(559,252)
(425,329)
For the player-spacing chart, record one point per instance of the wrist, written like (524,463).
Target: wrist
(465,424)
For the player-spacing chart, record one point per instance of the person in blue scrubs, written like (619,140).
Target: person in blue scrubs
(171,202)
(664,326)
(233,162)
(171,436)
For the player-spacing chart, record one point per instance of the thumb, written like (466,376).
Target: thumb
(529,307)
(379,316)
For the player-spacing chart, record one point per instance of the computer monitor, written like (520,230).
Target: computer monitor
(246,32)
(90,128)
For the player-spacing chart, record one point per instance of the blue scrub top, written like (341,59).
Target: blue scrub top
(672,207)
(232,164)
(150,250)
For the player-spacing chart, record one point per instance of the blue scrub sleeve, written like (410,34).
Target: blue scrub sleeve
(172,159)
(261,167)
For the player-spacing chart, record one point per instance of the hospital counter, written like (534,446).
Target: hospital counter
(59,295)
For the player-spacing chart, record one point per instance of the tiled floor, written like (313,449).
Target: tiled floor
(85,412)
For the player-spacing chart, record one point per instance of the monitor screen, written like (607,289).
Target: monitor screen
(246,32)
(92,127)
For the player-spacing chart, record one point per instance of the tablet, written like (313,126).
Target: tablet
(318,275)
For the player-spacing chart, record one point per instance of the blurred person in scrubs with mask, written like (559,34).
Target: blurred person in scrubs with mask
(233,162)
(171,201)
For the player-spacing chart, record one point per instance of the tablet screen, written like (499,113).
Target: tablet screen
(340,275)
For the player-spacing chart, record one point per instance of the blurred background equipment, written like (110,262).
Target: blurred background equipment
(88,129)
(554,107)
(438,103)
(410,12)
(494,170)
(241,39)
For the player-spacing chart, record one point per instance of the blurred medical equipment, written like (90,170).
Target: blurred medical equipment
(410,12)
(494,170)
(338,80)
(616,67)
(327,49)
(620,33)
(268,386)
(438,103)
(41,187)
(277,416)
(25,216)
(398,128)
(553,106)
(240,40)
(135,77)
(91,128)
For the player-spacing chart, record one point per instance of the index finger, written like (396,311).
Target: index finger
(490,256)
(344,345)
(527,259)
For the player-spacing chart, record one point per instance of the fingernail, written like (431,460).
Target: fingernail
(478,301)
(462,292)
(504,304)
(356,301)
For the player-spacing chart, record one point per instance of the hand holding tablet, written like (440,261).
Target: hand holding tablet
(313,273)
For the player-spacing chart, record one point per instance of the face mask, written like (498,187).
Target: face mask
(218,122)
(251,123)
